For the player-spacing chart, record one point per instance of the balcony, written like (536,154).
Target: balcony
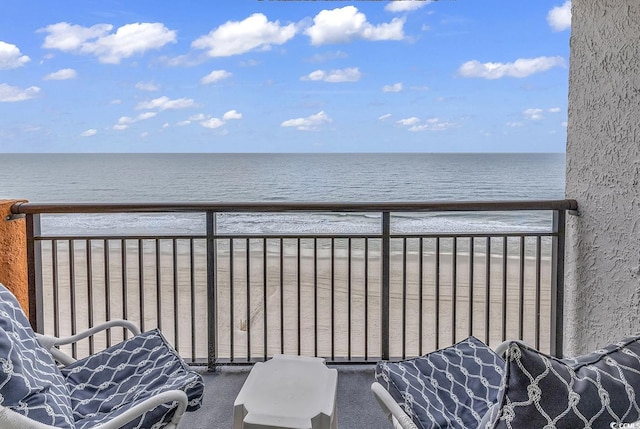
(227,297)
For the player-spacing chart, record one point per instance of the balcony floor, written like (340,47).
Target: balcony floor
(357,408)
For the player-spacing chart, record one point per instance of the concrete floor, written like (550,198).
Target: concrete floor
(357,408)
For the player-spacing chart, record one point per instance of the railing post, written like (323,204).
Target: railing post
(34,273)
(384,296)
(212,314)
(557,282)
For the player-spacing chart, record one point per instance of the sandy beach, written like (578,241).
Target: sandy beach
(326,305)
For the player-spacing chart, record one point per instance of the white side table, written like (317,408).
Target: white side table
(292,392)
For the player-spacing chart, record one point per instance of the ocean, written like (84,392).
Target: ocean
(72,178)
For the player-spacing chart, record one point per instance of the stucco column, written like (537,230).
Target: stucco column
(13,254)
(603,175)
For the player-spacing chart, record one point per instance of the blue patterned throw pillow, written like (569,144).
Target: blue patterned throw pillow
(110,382)
(449,388)
(30,382)
(592,391)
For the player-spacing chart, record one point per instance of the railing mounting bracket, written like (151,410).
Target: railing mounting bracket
(573,212)
(15,217)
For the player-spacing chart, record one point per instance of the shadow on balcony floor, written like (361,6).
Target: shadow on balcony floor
(357,408)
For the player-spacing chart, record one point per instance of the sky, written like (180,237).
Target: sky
(284,76)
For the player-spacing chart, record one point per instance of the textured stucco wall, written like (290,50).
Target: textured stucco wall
(603,174)
(13,254)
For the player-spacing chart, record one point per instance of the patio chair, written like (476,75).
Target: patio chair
(470,386)
(138,383)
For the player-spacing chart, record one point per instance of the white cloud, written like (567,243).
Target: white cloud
(215,76)
(533,114)
(165,103)
(183,123)
(342,25)
(515,124)
(125,121)
(147,86)
(212,123)
(10,93)
(351,74)
(384,117)
(239,37)
(128,40)
(89,133)
(559,18)
(408,121)
(11,57)
(310,123)
(198,117)
(432,124)
(146,115)
(396,87)
(63,74)
(231,114)
(522,67)
(116,101)
(405,5)
(554,110)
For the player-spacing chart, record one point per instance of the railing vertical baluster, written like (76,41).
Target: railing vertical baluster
(141,282)
(299,274)
(420,292)
(404,297)
(505,251)
(385,300)
(123,263)
(366,299)
(315,296)
(107,288)
(158,285)
(212,314)
(55,285)
(437,295)
(176,309)
(281,296)
(192,293)
(264,297)
(454,288)
(89,257)
(72,296)
(521,280)
(349,299)
(471,274)
(538,288)
(487,292)
(34,272)
(248,260)
(231,292)
(557,283)
(333,300)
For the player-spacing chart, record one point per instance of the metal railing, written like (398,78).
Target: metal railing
(238,298)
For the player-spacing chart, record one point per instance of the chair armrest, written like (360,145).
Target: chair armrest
(393,411)
(50,342)
(148,405)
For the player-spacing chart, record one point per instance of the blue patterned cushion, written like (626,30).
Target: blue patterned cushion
(30,382)
(449,388)
(591,391)
(110,382)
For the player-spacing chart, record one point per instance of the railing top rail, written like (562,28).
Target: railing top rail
(230,207)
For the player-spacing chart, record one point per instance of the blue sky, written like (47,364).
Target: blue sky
(284,76)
